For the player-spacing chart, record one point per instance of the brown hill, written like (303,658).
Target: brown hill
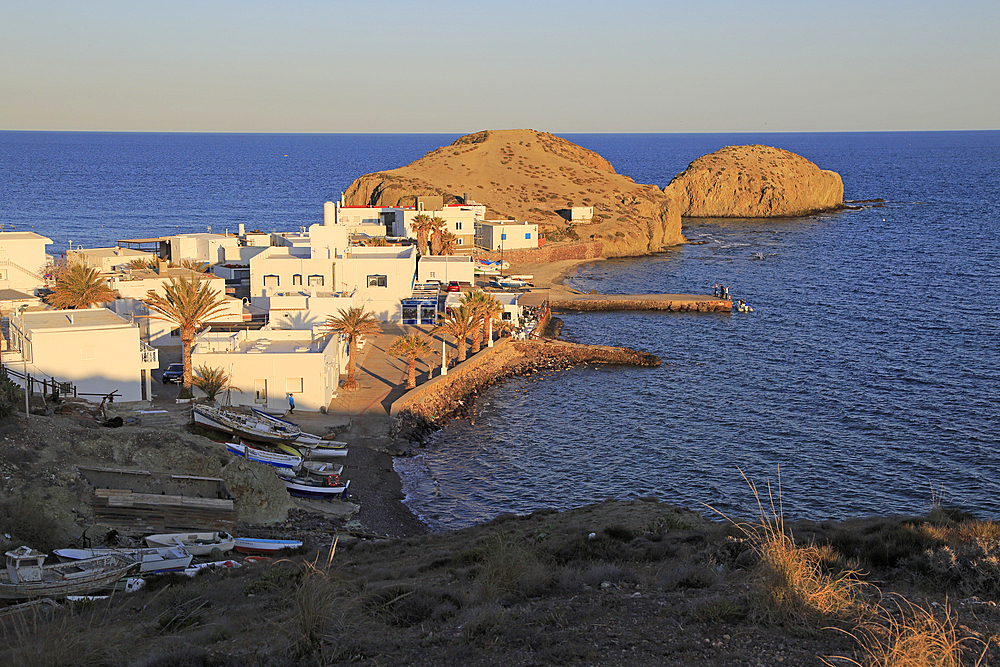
(754,182)
(530,175)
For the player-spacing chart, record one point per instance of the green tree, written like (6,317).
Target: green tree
(437,231)
(410,346)
(211,381)
(80,287)
(459,324)
(187,303)
(484,307)
(448,243)
(352,323)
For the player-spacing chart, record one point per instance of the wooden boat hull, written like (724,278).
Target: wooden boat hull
(198,544)
(253,545)
(250,428)
(303,489)
(263,456)
(153,560)
(77,578)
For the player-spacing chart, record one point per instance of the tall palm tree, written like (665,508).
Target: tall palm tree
(448,243)
(80,287)
(422,228)
(481,305)
(410,346)
(490,309)
(352,323)
(437,230)
(459,324)
(188,303)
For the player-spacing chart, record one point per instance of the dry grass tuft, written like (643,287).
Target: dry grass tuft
(793,584)
(911,636)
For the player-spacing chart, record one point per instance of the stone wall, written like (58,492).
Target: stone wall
(549,253)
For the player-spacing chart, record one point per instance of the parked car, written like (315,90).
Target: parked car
(453,286)
(174,373)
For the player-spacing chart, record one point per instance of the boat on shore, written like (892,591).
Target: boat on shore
(304,439)
(276,459)
(312,452)
(250,427)
(315,479)
(153,560)
(26,576)
(198,544)
(257,545)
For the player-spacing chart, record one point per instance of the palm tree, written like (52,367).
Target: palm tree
(410,346)
(352,323)
(448,243)
(212,381)
(80,287)
(481,305)
(437,229)
(422,228)
(194,265)
(490,309)
(459,324)
(188,303)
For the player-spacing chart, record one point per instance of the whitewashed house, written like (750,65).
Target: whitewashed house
(107,260)
(460,220)
(445,269)
(506,235)
(23,261)
(204,247)
(269,364)
(93,348)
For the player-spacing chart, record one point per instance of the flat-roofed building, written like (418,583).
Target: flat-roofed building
(23,260)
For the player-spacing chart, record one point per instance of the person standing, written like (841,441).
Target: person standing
(291,403)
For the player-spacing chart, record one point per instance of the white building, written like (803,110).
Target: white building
(23,261)
(267,365)
(379,278)
(107,260)
(133,286)
(445,269)
(506,235)
(205,247)
(397,221)
(94,349)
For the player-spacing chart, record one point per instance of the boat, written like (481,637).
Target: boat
(278,460)
(256,545)
(311,480)
(151,560)
(507,282)
(313,452)
(198,544)
(304,439)
(743,307)
(251,427)
(26,576)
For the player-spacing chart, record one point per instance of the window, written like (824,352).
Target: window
(377,281)
(316,280)
(271,281)
(458,226)
(433,274)
(297,279)
(260,391)
(88,353)
(528,236)
(293,385)
(175,333)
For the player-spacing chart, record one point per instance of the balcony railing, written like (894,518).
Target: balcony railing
(150,355)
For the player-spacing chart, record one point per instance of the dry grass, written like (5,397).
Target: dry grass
(912,636)
(77,639)
(793,584)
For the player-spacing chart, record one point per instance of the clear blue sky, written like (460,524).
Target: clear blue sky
(456,67)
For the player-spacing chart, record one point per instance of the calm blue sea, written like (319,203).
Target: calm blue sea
(868,373)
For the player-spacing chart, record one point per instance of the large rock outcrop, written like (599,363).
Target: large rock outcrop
(755,182)
(529,176)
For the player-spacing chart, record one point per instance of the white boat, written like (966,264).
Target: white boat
(304,439)
(255,545)
(276,459)
(151,560)
(198,544)
(509,283)
(27,577)
(251,427)
(315,479)
(312,452)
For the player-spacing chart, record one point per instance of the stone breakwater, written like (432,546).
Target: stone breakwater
(677,303)
(428,407)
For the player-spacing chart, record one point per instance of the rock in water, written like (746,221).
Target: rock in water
(755,182)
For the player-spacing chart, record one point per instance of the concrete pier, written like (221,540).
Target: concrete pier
(678,303)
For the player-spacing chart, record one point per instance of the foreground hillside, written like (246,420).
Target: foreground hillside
(616,583)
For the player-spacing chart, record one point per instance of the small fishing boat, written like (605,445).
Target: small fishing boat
(151,560)
(312,452)
(26,576)
(315,479)
(251,427)
(198,544)
(256,545)
(304,439)
(278,460)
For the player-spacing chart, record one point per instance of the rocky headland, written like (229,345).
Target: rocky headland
(533,176)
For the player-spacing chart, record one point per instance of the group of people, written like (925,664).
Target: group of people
(721,291)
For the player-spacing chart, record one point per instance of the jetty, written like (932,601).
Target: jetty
(675,303)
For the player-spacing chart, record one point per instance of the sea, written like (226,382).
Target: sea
(865,381)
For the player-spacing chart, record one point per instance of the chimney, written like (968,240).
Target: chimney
(329,213)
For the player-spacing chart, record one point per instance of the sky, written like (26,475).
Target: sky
(463,66)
